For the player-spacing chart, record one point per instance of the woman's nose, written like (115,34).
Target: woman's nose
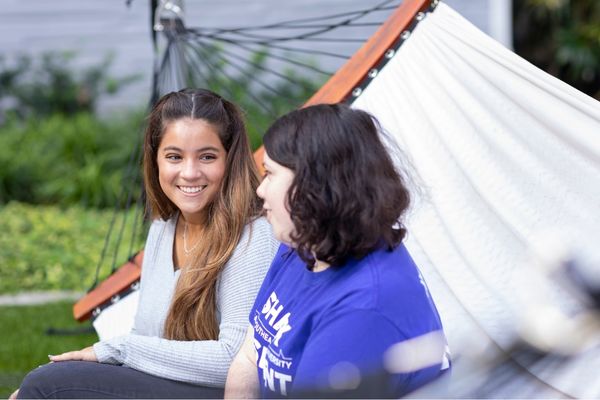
(261,189)
(191,170)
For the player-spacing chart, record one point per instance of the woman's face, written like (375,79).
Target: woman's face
(273,190)
(191,165)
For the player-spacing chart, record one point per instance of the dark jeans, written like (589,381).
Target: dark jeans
(92,380)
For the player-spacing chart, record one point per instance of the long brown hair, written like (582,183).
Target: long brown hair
(192,315)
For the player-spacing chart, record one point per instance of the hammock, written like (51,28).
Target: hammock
(509,156)
(508,162)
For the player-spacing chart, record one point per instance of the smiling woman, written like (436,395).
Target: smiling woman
(205,257)
(191,164)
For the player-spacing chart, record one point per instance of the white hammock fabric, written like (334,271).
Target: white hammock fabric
(505,153)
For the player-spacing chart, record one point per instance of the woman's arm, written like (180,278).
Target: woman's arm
(242,378)
(204,362)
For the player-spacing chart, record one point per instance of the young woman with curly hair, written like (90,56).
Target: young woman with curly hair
(342,291)
(206,255)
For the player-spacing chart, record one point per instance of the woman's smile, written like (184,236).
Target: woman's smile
(192,190)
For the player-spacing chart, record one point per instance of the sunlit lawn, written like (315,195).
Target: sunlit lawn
(49,248)
(25,344)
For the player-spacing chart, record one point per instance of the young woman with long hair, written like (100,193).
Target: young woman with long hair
(205,257)
(343,297)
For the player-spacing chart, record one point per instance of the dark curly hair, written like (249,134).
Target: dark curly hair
(347,196)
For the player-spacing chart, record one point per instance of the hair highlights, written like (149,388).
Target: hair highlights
(192,315)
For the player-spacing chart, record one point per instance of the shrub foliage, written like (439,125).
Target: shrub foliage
(60,159)
(49,248)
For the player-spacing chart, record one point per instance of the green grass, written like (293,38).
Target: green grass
(24,343)
(49,248)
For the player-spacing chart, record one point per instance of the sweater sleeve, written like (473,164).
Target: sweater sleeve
(204,362)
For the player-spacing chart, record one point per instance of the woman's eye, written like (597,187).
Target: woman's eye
(208,157)
(173,157)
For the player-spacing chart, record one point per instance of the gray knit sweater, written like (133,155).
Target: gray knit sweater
(202,362)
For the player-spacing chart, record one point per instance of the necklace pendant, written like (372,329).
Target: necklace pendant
(187,250)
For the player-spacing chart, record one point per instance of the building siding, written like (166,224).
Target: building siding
(93,29)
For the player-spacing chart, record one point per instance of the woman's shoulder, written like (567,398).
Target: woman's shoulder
(261,224)
(366,281)
(399,282)
(159,231)
(257,230)
(388,268)
(254,252)
(395,263)
(159,222)
(257,240)
(158,227)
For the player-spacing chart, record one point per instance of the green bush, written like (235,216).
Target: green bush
(562,38)
(68,160)
(47,248)
(53,150)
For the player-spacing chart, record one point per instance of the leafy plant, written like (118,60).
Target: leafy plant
(68,160)
(563,38)
(49,248)
(53,150)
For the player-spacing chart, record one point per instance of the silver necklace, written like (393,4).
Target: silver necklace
(185,247)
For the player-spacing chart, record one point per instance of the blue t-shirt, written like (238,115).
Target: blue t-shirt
(317,331)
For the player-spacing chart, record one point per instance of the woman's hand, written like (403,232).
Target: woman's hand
(86,354)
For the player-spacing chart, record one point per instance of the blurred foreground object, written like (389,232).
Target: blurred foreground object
(557,332)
